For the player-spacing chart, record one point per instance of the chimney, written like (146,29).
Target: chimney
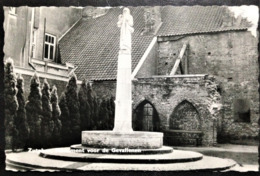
(152,20)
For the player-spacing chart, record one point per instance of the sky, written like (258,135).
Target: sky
(248,12)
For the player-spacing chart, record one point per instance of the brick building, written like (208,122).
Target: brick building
(210,96)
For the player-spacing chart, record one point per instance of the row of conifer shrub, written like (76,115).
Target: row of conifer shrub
(44,120)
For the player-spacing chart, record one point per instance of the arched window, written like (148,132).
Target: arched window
(145,117)
(148,117)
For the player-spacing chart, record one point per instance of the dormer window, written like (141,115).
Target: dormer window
(49,46)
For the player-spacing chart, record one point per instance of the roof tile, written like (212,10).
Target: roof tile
(196,19)
(93,44)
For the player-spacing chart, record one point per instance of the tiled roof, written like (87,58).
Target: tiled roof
(196,19)
(93,44)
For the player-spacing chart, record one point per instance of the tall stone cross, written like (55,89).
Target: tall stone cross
(123,109)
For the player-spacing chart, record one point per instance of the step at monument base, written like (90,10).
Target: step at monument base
(60,159)
(130,140)
(83,149)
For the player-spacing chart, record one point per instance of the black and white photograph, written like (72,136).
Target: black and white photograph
(131,88)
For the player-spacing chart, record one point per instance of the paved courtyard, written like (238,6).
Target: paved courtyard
(245,156)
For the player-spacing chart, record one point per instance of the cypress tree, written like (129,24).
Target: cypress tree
(65,121)
(56,135)
(99,117)
(84,106)
(47,124)
(11,104)
(108,113)
(90,99)
(21,119)
(103,117)
(111,109)
(73,107)
(96,110)
(34,112)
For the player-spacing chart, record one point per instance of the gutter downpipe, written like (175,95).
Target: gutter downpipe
(30,44)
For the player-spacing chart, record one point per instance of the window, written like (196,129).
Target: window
(12,10)
(148,117)
(145,117)
(49,46)
(242,110)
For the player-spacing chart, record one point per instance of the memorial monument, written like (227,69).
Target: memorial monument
(122,145)
(123,135)
(123,111)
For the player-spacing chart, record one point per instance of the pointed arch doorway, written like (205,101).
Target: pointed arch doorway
(145,117)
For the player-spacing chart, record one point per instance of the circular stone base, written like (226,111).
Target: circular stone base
(177,156)
(32,161)
(83,149)
(130,140)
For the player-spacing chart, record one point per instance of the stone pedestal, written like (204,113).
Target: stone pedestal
(123,102)
(131,140)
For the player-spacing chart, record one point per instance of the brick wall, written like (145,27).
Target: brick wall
(104,89)
(233,58)
(166,93)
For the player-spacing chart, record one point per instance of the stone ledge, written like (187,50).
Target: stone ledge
(131,140)
(65,154)
(83,149)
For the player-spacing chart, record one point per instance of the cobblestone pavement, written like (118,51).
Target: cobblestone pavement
(246,156)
